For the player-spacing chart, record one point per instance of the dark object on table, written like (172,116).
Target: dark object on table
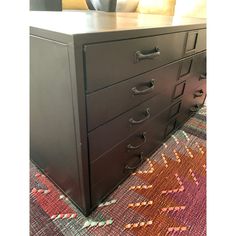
(90,5)
(113,5)
(45,5)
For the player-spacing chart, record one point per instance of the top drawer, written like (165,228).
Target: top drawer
(111,62)
(196,42)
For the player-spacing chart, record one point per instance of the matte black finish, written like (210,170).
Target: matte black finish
(120,156)
(105,136)
(198,72)
(107,96)
(191,103)
(122,59)
(122,96)
(52,116)
(196,42)
(45,5)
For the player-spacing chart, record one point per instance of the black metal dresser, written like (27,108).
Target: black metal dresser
(106,90)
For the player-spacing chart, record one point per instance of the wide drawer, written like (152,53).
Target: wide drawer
(111,62)
(109,170)
(106,136)
(110,102)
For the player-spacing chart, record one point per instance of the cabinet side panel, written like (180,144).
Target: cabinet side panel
(52,137)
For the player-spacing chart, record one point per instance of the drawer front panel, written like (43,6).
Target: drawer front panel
(201,42)
(109,170)
(110,102)
(196,42)
(193,71)
(179,89)
(112,62)
(197,77)
(106,136)
(192,101)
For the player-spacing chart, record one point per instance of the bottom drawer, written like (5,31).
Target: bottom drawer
(112,168)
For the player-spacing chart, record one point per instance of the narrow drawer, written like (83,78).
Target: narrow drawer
(110,102)
(201,43)
(193,70)
(111,62)
(199,69)
(196,42)
(126,157)
(192,102)
(106,136)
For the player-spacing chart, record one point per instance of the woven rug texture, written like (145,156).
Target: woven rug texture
(165,196)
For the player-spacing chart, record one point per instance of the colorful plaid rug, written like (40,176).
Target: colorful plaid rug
(165,196)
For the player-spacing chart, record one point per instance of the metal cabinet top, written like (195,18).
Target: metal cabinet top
(86,22)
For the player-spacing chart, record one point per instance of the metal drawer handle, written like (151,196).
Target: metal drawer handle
(195,108)
(202,77)
(145,91)
(140,156)
(143,136)
(198,93)
(141,56)
(147,116)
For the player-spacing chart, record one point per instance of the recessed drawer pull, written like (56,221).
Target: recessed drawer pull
(198,93)
(141,56)
(202,77)
(143,136)
(147,116)
(140,156)
(195,108)
(145,91)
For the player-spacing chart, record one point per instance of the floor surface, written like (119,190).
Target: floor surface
(165,196)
